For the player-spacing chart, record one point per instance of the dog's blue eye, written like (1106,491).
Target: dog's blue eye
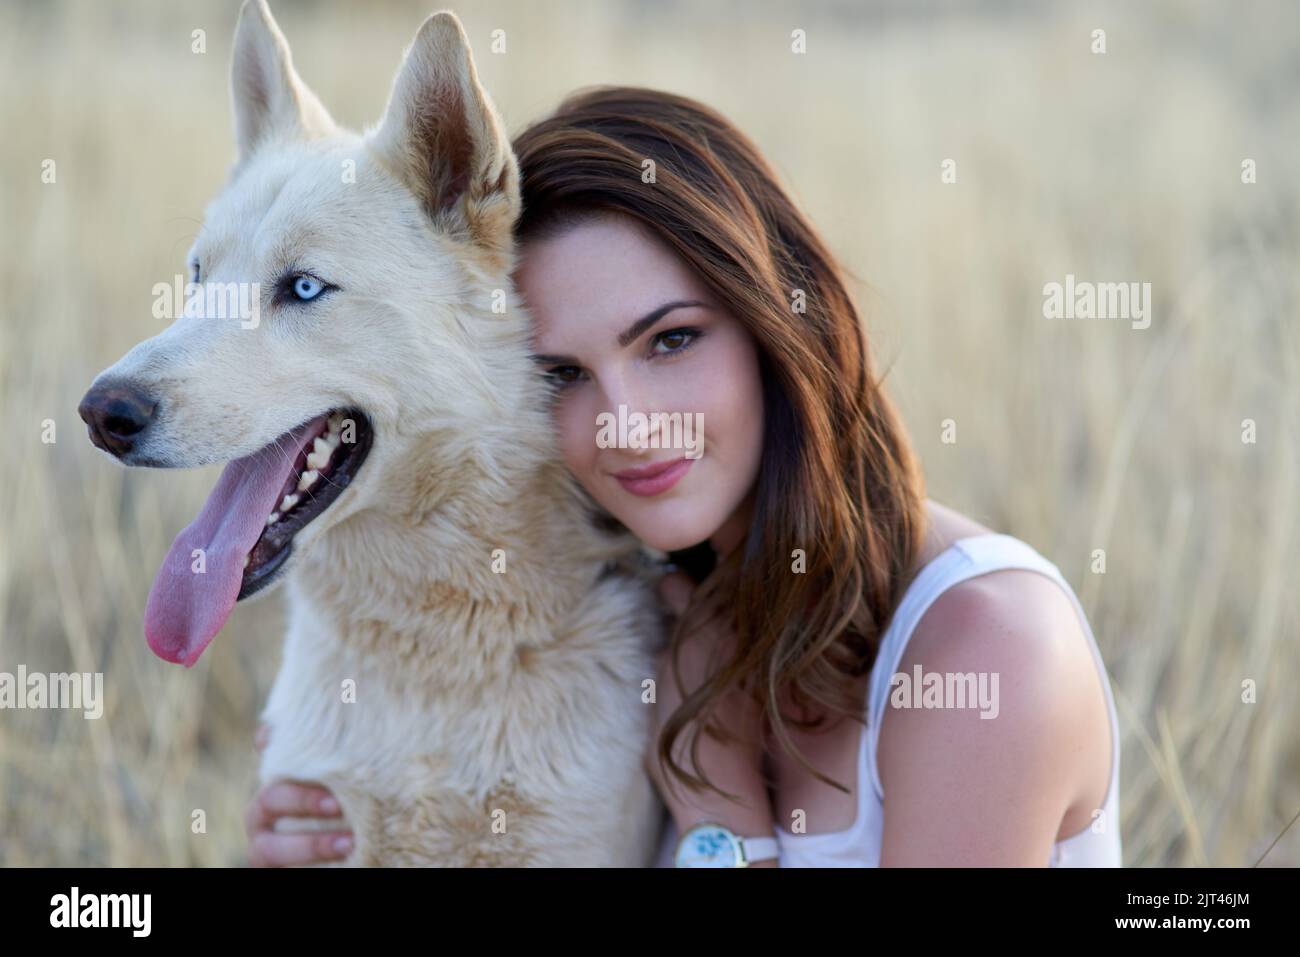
(307,288)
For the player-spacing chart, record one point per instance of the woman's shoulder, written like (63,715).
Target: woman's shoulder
(1005,761)
(1017,601)
(1016,618)
(1018,634)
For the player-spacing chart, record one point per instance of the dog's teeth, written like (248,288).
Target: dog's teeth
(332,440)
(320,454)
(272,518)
(247,558)
(288,502)
(307,480)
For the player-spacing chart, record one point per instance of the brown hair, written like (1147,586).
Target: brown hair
(838,478)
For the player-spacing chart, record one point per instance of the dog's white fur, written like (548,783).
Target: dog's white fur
(498,718)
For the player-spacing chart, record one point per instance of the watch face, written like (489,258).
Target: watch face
(708,845)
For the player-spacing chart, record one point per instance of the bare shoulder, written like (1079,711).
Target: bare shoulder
(1016,624)
(991,784)
(1010,613)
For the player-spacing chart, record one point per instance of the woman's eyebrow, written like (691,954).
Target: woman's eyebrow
(633,332)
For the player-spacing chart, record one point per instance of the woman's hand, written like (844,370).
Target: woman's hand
(736,766)
(267,847)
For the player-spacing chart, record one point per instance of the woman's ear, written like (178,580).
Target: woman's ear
(443,138)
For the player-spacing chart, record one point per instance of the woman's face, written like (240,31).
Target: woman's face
(626,329)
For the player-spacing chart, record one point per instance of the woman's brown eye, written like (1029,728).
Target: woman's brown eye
(674,340)
(564,374)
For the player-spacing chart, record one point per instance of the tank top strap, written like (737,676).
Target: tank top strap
(963,559)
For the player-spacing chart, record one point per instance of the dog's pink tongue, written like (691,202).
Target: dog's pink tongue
(187,607)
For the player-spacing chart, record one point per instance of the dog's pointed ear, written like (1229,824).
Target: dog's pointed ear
(443,138)
(270,99)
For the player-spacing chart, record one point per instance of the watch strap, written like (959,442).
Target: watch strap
(759,849)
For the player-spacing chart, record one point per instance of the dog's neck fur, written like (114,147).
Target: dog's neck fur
(480,531)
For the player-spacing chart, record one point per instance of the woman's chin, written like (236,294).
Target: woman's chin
(667,538)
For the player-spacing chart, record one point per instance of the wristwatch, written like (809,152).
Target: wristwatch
(712,845)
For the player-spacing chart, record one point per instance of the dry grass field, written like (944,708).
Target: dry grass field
(1074,434)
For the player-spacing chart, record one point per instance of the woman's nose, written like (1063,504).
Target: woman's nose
(621,389)
(628,402)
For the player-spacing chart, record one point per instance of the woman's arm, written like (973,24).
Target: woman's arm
(962,790)
(735,767)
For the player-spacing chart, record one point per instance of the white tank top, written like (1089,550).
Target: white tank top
(1097,845)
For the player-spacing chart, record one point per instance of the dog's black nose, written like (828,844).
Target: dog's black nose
(115,414)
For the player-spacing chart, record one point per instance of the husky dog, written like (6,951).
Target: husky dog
(466,647)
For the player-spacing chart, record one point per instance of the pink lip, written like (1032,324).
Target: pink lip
(653,479)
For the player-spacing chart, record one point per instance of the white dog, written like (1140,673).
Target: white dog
(466,652)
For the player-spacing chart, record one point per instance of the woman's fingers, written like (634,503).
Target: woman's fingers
(288,799)
(269,849)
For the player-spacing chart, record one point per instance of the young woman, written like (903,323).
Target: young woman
(667,271)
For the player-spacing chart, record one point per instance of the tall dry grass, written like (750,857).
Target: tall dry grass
(1075,435)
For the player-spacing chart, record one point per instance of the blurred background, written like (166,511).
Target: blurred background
(1074,435)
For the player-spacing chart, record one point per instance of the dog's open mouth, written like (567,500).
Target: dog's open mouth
(242,538)
(336,444)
